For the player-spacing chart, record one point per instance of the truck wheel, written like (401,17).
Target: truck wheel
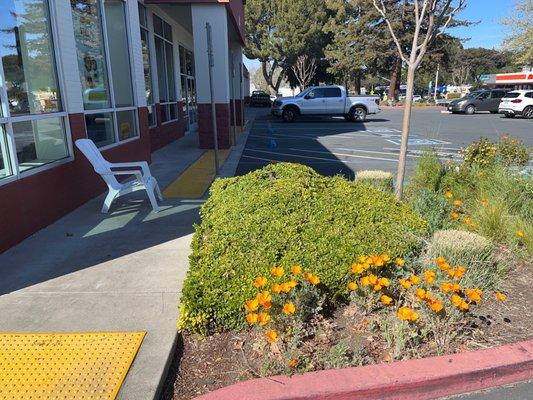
(528,112)
(358,114)
(288,114)
(471,109)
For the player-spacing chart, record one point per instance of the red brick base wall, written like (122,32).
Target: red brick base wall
(31,203)
(163,134)
(238,106)
(205,130)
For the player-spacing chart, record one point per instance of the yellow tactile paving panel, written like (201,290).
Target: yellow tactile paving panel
(194,181)
(65,366)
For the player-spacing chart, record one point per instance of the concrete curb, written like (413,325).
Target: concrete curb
(421,379)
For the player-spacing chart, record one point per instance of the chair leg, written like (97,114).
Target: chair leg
(111,195)
(153,200)
(158,191)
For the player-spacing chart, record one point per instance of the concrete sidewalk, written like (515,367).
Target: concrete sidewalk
(118,272)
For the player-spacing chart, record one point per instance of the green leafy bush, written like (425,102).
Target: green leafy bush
(286,214)
(481,153)
(379,179)
(432,207)
(512,152)
(428,172)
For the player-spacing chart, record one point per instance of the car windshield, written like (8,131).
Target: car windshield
(473,94)
(512,95)
(302,94)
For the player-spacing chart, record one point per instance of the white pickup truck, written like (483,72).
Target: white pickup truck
(327,101)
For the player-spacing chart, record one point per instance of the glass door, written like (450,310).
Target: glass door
(192,105)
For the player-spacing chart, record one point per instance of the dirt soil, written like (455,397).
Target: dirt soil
(205,364)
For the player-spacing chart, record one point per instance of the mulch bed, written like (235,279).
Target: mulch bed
(205,364)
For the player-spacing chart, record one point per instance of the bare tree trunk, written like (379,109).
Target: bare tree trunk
(395,78)
(268,75)
(405,131)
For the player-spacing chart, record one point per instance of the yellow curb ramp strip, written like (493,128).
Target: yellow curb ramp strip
(194,181)
(74,366)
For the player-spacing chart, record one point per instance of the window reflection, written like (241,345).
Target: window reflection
(27,57)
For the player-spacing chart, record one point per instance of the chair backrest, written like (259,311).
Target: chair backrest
(100,165)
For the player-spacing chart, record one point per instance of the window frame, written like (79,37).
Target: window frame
(167,103)
(7,120)
(146,29)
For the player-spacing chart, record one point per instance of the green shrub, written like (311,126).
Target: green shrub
(379,179)
(471,250)
(428,172)
(286,214)
(432,207)
(451,96)
(512,152)
(508,152)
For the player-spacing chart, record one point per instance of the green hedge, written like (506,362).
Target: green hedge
(285,214)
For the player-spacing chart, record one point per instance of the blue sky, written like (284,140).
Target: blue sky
(488,33)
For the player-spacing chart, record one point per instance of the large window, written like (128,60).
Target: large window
(165,70)
(32,128)
(188,86)
(145,43)
(101,34)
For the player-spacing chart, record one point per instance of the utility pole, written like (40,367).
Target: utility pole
(436,82)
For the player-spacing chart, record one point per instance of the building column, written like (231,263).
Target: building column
(236,84)
(216,15)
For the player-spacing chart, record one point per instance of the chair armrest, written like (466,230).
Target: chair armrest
(140,164)
(124,172)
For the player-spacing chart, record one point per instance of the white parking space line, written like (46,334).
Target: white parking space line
(321,158)
(409,153)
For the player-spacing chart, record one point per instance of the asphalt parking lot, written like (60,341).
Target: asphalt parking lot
(332,145)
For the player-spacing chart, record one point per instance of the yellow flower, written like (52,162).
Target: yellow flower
(446,287)
(264,297)
(474,295)
(276,288)
(307,275)
(400,262)
(384,281)
(373,279)
(263,318)
(292,283)
(251,318)
(449,195)
(272,336)
(362,259)
(285,287)
(436,305)
(251,305)
(314,280)
(296,269)
(352,286)
(358,268)
(293,363)
(267,305)
(407,314)
(445,267)
(500,296)
(520,234)
(458,302)
(365,281)
(374,259)
(429,277)
(459,272)
(385,299)
(277,272)
(289,308)
(457,203)
(260,282)
(454,215)
(378,287)
(484,202)
(385,258)
(440,261)
(420,293)
(406,284)
(415,279)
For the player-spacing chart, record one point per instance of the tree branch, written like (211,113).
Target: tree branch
(383,12)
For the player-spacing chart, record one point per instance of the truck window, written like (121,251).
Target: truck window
(317,93)
(333,92)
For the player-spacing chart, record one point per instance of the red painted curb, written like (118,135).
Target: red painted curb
(421,379)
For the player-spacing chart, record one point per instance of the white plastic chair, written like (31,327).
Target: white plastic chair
(144,179)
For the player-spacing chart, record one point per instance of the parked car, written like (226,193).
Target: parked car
(517,102)
(260,98)
(478,100)
(326,101)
